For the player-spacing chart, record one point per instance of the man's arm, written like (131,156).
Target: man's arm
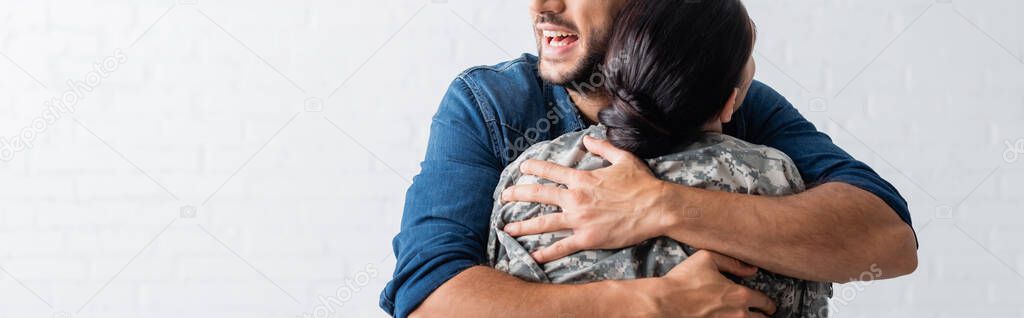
(867,219)
(447,208)
(834,232)
(695,288)
(484,292)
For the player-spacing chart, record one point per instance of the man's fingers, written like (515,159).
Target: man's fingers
(748,299)
(605,149)
(756,315)
(550,171)
(537,193)
(761,302)
(733,266)
(560,249)
(539,225)
(743,314)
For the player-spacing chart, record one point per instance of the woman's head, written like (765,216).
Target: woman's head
(673,68)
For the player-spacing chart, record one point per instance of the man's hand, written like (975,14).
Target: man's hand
(707,292)
(606,208)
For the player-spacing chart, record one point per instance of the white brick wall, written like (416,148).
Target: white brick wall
(212,99)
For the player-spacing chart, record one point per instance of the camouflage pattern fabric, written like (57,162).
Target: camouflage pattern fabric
(715,162)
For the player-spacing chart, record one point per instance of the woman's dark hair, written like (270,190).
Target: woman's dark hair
(671,66)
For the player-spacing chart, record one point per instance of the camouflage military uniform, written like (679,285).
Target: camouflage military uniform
(715,162)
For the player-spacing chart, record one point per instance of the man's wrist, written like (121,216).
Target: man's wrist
(628,297)
(673,211)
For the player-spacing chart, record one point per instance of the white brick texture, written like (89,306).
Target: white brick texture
(250,158)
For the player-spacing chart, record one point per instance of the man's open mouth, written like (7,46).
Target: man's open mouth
(559,38)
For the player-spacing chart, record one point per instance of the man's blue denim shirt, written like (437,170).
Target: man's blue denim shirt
(490,114)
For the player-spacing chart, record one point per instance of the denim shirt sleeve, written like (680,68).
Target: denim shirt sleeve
(448,206)
(769,119)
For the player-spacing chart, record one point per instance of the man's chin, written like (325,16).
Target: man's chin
(566,71)
(552,75)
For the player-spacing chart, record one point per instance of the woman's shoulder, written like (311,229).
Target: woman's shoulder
(729,144)
(757,168)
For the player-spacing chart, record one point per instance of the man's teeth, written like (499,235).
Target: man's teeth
(555,34)
(557,38)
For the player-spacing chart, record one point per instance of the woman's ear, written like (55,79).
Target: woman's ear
(730,107)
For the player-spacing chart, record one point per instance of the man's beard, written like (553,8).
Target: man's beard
(597,47)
